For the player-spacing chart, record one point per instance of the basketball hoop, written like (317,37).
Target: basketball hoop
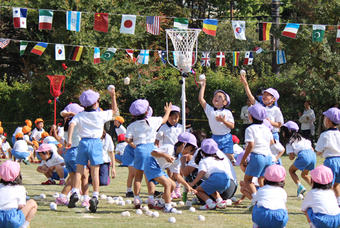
(56,82)
(183,42)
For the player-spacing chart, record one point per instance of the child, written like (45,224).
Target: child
(270,200)
(214,169)
(20,149)
(5,147)
(108,159)
(52,165)
(258,139)
(91,126)
(14,210)
(127,160)
(19,129)
(166,157)
(38,130)
(269,97)
(320,205)
(306,158)
(118,124)
(329,146)
(120,147)
(141,136)
(221,120)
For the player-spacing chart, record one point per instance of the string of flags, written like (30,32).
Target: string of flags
(153,23)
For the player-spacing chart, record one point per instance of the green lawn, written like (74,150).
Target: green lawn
(109,215)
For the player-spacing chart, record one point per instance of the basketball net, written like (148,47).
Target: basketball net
(56,82)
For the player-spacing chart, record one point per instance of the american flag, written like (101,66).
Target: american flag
(205,59)
(152,24)
(4,43)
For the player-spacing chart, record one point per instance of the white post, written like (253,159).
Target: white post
(183,103)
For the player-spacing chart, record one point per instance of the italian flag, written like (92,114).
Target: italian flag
(45,19)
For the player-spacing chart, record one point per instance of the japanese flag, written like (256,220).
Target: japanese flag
(128,24)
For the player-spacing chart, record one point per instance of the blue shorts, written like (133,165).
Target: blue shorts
(104,174)
(306,160)
(152,169)
(90,149)
(12,218)
(142,153)
(70,159)
(217,182)
(266,218)
(20,155)
(55,175)
(258,164)
(128,156)
(323,220)
(334,164)
(276,136)
(224,142)
(119,158)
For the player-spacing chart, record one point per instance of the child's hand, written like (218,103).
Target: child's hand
(167,107)
(202,82)
(169,158)
(243,79)
(190,189)
(112,91)
(220,118)
(113,173)
(68,145)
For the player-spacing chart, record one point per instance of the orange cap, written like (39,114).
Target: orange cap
(26,129)
(1,130)
(19,135)
(28,123)
(38,121)
(35,144)
(120,119)
(44,134)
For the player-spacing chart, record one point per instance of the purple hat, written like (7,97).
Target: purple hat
(187,137)
(209,146)
(291,125)
(74,107)
(322,175)
(139,107)
(150,112)
(9,170)
(275,173)
(268,124)
(175,108)
(273,92)
(333,114)
(88,98)
(225,94)
(257,111)
(44,147)
(239,158)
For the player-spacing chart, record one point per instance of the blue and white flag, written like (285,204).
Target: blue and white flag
(143,57)
(280,57)
(73,20)
(174,54)
(162,56)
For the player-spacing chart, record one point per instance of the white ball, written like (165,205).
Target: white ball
(229,202)
(179,212)
(42,196)
(103,196)
(121,203)
(181,203)
(234,199)
(126,81)
(55,195)
(202,77)
(188,203)
(115,198)
(192,209)
(53,206)
(120,198)
(109,198)
(173,204)
(300,197)
(111,201)
(128,201)
(149,213)
(145,208)
(155,214)
(139,212)
(201,218)
(125,214)
(172,220)
(110,88)
(242,72)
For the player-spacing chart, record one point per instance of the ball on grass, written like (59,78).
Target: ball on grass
(121,203)
(103,197)
(201,218)
(172,220)
(145,208)
(173,204)
(149,213)
(125,214)
(229,202)
(155,214)
(192,209)
(139,212)
(42,196)
(128,201)
(181,203)
(53,206)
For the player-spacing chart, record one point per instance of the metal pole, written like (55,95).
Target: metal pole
(231,9)
(183,103)
(275,40)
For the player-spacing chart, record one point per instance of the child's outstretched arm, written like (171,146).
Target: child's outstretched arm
(201,93)
(199,176)
(167,109)
(114,106)
(249,148)
(69,135)
(181,180)
(246,88)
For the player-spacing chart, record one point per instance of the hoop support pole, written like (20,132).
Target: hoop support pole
(55,111)
(183,104)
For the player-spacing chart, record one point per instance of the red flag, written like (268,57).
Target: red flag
(101,22)
(130,53)
(220,59)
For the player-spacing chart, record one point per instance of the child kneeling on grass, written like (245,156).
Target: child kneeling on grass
(14,210)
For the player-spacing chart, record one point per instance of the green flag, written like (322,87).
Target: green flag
(108,54)
(318,32)
(23,46)
(181,23)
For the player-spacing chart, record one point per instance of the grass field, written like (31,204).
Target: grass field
(109,215)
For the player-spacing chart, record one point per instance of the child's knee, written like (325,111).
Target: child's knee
(31,203)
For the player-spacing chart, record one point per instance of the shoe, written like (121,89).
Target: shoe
(171,210)
(208,206)
(26,161)
(157,205)
(61,201)
(73,200)
(178,192)
(93,204)
(301,189)
(173,195)
(85,203)
(222,204)
(151,203)
(137,203)
(157,194)
(48,182)
(62,182)
(129,194)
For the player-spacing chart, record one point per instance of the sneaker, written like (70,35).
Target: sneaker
(73,200)
(61,201)
(62,182)
(173,195)
(150,202)
(137,203)
(85,203)
(208,206)
(222,204)
(157,194)
(178,192)
(157,205)
(48,182)
(129,194)
(26,161)
(171,210)
(93,204)
(301,189)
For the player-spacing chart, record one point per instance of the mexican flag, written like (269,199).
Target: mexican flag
(45,19)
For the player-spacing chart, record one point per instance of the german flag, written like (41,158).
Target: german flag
(264,31)
(76,53)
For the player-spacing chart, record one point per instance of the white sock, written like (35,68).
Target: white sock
(61,195)
(62,179)
(95,194)
(338,200)
(167,206)
(26,224)
(218,200)
(129,189)
(209,201)
(86,197)
(75,190)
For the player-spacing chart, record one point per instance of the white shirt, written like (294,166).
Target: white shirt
(237,149)
(261,136)
(17,130)
(120,130)
(216,127)
(56,159)
(212,165)
(296,146)
(329,143)
(307,119)
(120,147)
(26,138)
(144,131)
(20,146)
(75,136)
(11,196)
(168,149)
(321,201)
(244,114)
(91,124)
(107,147)
(274,114)
(169,135)
(61,133)
(275,149)
(5,146)
(36,134)
(192,162)
(50,139)
(271,197)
